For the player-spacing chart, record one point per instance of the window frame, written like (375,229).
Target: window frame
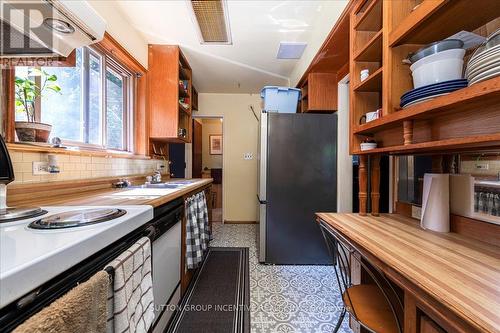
(129,91)
(140,129)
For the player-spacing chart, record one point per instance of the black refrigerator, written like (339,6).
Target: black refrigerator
(297,158)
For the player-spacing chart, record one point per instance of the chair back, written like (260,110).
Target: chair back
(347,259)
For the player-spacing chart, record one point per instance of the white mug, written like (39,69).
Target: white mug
(370,116)
(364,74)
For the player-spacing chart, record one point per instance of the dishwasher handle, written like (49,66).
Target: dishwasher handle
(163,223)
(150,232)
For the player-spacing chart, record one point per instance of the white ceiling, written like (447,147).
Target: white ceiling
(257,28)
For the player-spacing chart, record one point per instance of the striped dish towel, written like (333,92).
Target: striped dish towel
(197,229)
(130,296)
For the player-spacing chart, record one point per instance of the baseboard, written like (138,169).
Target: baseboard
(239,222)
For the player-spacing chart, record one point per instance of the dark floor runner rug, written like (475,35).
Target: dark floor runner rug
(218,299)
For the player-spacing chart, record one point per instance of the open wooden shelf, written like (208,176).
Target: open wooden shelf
(438,19)
(372,83)
(183,92)
(372,51)
(186,111)
(481,94)
(479,141)
(370,18)
(183,74)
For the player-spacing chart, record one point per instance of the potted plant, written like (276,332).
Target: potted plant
(27,91)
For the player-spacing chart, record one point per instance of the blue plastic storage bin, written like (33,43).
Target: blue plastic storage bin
(280,99)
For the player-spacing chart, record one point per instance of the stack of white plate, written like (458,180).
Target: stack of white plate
(485,62)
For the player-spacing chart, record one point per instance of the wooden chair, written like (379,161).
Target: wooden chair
(376,305)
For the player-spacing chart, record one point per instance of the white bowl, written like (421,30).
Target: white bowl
(368,145)
(442,66)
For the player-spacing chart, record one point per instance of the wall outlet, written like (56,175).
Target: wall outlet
(482,166)
(416,212)
(40,168)
(248,156)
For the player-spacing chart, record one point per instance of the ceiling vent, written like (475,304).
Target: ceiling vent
(212,21)
(291,50)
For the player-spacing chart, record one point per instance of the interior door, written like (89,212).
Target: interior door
(197,149)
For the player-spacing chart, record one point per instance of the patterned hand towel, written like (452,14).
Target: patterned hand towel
(130,300)
(82,309)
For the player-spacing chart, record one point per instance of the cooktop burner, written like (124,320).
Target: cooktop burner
(77,218)
(10,214)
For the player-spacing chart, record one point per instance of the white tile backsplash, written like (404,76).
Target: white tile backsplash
(74,167)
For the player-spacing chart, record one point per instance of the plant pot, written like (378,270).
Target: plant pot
(33,132)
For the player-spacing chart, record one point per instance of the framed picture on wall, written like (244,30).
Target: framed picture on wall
(215,142)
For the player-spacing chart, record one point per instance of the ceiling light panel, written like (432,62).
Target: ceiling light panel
(212,21)
(291,50)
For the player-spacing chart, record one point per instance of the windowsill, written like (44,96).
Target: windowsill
(72,150)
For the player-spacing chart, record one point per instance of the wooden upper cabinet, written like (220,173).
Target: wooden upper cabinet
(169,94)
(319,93)
(322,91)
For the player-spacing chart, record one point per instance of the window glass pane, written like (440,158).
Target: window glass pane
(94,126)
(64,110)
(22,73)
(74,104)
(114,110)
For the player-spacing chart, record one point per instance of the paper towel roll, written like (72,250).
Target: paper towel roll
(436,202)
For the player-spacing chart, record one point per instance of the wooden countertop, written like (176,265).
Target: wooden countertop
(461,273)
(107,196)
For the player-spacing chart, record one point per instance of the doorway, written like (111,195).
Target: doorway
(207,159)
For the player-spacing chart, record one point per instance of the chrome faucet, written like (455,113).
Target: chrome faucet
(156,178)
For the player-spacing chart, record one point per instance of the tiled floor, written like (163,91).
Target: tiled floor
(285,299)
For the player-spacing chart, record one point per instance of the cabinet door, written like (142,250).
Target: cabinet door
(322,92)
(163,91)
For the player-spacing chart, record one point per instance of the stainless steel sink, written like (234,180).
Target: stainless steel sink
(182,182)
(171,184)
(159,185)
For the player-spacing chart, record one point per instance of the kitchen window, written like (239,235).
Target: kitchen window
(94,105)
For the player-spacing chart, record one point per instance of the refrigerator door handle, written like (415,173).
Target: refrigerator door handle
(262,156)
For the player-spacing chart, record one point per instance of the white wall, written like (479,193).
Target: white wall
(327,18)
(121,30)
(240,137)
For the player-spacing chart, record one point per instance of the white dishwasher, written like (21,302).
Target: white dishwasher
(166,261)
